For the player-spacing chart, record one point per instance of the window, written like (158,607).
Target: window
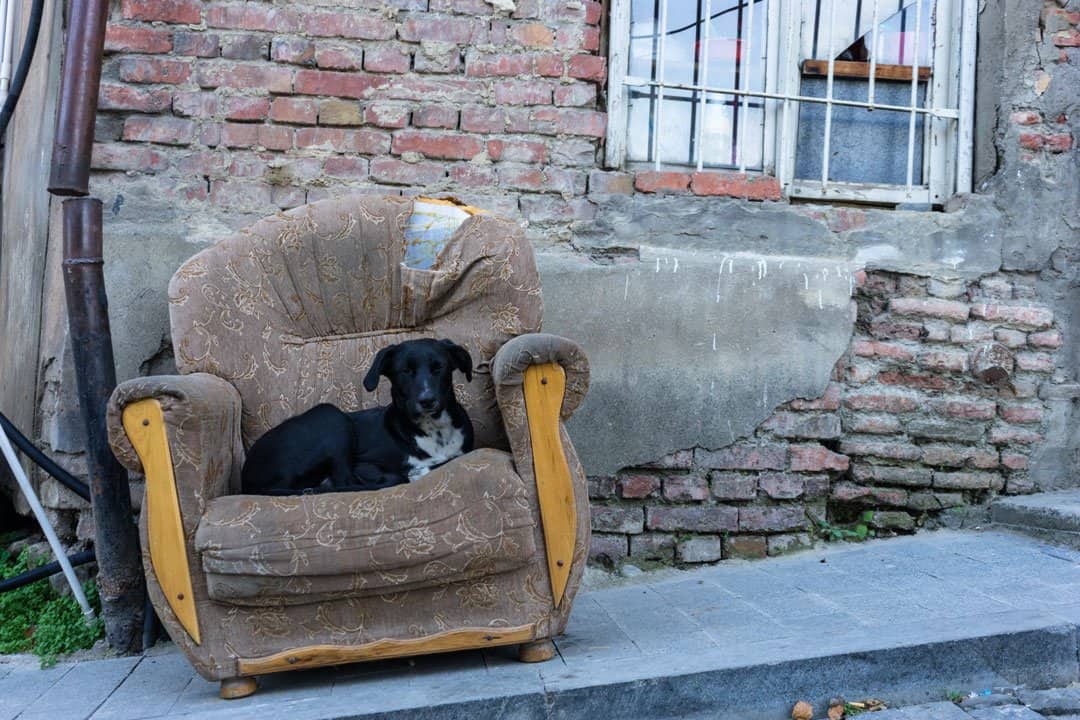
(865,100)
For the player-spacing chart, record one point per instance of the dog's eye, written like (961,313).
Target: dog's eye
(436,367)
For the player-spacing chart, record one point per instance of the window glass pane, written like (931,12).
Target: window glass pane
(856,40)
(732,61)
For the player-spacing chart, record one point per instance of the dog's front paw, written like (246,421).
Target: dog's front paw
(417,473)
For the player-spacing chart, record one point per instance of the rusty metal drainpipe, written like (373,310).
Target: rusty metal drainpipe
(116,541)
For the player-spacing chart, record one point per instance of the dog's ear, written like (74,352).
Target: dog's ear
(460,357)
(378,367)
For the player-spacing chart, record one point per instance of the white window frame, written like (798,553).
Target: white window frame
(948,115)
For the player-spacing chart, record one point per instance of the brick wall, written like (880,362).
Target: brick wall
(906,429)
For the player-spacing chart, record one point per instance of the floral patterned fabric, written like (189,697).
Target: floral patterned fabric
(289,313)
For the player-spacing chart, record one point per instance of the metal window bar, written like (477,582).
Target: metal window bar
(660,86)
(741,142)
(914,94)
(828,97)
(703,107)
(876,45)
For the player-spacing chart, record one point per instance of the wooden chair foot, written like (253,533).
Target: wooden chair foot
(536,651)
(233,688)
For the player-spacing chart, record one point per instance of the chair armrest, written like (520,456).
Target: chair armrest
(202,423)
(523,351)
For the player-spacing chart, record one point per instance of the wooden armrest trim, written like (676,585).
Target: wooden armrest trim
(544,386)
(144,423)
(314,656)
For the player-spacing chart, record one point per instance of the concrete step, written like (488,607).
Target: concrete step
(1051,517)
(908,620)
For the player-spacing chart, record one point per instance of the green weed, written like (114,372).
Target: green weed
(34,618)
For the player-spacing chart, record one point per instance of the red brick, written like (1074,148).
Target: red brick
(803,426)
(387,115)
(615,518)
(772,519)
(239,135)
(745,547)
(472,175)
(965,408)
(606,548)
(196,44)
(348,167)
(968,481)
(245,47)
(577,95)
(652,181)
(1067,38)
(896,330)
(569,121)
(781,486)
(387,59)
(121,38)
(298,51)
(123,97)
(743,457)
(882,400)
(1035,362)
(124,156)
(1059,142)
(738,185)
(435,116)
(275,137)
(423,89)
(293,110)
(638,486)
(494,119)
(876,348)
(165,130)
(499,65)
(943,360)
(880,449)
(815,458)
(594,11)
(1025,117)
(522,178)
(1022,414)
(397,172)
(195,104)
(930,307)
(340,84)
(587,67)
(871,424)
(349,24)
(1014,461)
(367,142)
(268,78)
(442,145)
(698,518)
(516,92)
(1023,316)
(917,381)
(247,108)
(611,182)
(733,486)
(517,151)
(975,332)
(153,70)
(183,12)
(456,30)
(1047,339)
(339,58)
(680,488)
(830,400)
(1031,141)
(1009,435)
(203,162)
(252,16)
(532,35)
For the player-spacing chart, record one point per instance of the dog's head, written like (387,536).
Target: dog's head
(420,374)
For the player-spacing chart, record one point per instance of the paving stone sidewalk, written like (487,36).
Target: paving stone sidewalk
(908,620)
(1006,704)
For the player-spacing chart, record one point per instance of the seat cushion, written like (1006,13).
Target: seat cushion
(469,518)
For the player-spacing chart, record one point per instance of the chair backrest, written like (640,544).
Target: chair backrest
(292,310)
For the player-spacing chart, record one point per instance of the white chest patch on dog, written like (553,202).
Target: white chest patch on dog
(440,440)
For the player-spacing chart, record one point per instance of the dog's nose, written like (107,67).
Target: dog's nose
(427,402)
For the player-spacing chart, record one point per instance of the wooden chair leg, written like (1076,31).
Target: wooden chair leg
(233,688)
(536,651)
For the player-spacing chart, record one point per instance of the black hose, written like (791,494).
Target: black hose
(12,583)
(67,479)
(18,80)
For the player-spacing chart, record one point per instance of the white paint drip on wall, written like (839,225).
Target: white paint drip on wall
(626,289)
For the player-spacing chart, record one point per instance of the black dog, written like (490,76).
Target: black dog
(328,450)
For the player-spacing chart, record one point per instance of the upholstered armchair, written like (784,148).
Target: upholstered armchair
(486,550)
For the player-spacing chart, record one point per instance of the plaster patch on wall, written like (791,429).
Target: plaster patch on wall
(711,343)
